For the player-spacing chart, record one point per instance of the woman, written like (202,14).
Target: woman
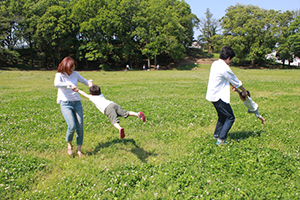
(70,101)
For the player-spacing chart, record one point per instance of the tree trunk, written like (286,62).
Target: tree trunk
(130,64)
(31,52)
(253,63)
(148,61)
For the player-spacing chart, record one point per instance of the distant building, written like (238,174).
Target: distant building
(272,56)
(195,44)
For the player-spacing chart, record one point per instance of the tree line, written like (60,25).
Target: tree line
(111,33)
(108,32)
(253,33)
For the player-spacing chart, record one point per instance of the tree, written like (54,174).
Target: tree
(294,37)
(54,34)
(296,13)
(31,12)
(284,44)
(209,28)
(249,30)
(125,43)
(8,31)
(94,29)
(164,27)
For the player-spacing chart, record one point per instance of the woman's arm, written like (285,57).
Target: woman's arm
(59,83)
(84,81)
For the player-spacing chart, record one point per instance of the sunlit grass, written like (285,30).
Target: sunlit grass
(171,156)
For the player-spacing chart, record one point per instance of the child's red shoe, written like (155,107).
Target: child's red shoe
(122,133)
(142,116)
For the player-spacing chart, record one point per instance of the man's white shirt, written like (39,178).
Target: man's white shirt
(219,81)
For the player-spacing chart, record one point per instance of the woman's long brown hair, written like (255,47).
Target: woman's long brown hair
(66,64)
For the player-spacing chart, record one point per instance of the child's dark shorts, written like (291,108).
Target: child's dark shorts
(113,111)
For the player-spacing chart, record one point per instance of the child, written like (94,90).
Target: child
(249,103)
(109,108)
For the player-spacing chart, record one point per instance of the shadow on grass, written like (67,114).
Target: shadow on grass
(240,135)
(138,151)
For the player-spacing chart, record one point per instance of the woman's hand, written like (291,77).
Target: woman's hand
(74,88)
(90,83)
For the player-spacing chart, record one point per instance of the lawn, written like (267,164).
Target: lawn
(170,156)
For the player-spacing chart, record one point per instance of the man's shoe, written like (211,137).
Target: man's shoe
(221,142)
(215,137)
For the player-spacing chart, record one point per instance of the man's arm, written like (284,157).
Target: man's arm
(229,75)
(235,89)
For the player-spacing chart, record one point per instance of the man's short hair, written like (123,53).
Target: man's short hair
(95,90)
(226,52)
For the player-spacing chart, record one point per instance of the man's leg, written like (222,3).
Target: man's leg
(226,117)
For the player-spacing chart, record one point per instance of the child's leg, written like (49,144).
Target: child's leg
(111,113)
(121,130)
(139,115)
(117,126)
(259,116)
(131,113)
(262,120)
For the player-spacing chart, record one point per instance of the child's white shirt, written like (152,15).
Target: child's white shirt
(250,104)
(100,101)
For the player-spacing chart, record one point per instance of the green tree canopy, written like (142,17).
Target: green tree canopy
(250,31)
(9,33)
(209,28)
(283,43)
(294,37)
(115,31)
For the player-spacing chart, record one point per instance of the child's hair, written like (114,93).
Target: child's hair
(95,90)
(248,93)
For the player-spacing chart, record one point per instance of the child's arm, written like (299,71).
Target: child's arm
(75,89)
(83,94)
(235,89)
(244,92)
(238,91)
(241,96)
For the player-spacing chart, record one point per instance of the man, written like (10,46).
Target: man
(218,92)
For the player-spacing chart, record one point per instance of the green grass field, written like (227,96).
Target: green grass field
(171,156)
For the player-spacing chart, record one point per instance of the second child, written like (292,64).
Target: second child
(249,103)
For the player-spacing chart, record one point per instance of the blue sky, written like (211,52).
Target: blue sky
(218,7)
